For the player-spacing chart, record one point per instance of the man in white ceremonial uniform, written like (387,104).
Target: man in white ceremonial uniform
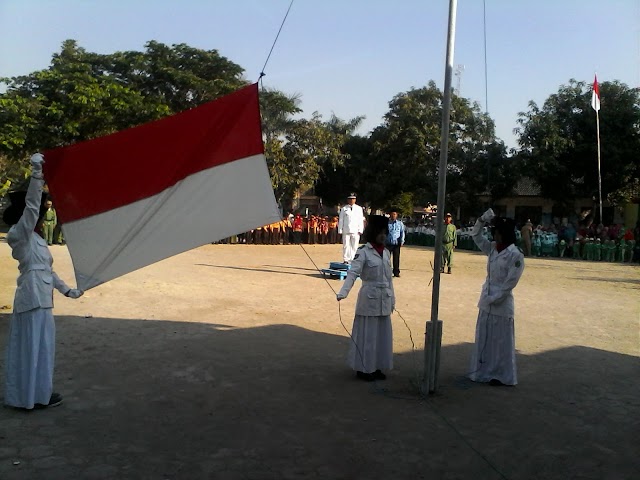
(494,354)
(350,226)
(31,342)
(371,350)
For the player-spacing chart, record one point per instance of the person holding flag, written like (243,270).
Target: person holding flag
(32,337)
(493,359)
(371,350)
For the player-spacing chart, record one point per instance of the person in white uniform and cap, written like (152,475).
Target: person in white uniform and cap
(371,350)
(494,354)
(350,226)
(32,337)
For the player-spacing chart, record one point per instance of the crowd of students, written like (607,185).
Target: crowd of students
(592,242)
(292,229)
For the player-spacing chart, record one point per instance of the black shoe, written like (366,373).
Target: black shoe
(397,275)
(496,383)
(378,375)
(367,377)
(449,270)
(54,401)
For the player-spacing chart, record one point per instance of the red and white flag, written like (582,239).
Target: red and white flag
(144,194)
(595,96)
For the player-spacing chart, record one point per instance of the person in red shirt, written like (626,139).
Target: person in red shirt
(628,235)
(297,229)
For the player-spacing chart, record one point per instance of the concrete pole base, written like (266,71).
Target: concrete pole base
(432,346)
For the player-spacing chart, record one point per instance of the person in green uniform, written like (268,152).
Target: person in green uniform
(449,242)
(50,222)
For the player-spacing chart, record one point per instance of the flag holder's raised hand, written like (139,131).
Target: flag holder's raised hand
(37,160)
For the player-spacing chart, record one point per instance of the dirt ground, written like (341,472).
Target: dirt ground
(228,362)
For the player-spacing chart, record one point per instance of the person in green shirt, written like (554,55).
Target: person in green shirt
(50,222)
(449,242)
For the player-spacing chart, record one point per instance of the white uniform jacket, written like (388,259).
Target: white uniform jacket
(376,297)
(37,279)
(351,220)
(504,270)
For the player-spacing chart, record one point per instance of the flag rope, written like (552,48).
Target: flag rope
(262,74)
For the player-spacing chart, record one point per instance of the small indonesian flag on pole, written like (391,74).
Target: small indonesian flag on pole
(595,96)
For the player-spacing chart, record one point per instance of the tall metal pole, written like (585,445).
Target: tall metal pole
(486,74)
(486,89)
(599,174)
(433,336)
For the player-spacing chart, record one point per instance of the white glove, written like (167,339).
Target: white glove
(36,165)
(487,216)
(74,293)
(340,296)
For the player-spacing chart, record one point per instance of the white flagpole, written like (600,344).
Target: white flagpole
(433,334)
(599,174)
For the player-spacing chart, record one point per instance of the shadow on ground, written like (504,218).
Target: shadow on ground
(280,269)
(174,400)
(630,281)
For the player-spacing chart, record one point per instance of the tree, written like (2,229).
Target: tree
(558,142)
(335,184)
(83,95)
(298,156)
(406,150)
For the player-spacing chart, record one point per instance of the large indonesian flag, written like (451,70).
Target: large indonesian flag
(595,95)
(138,196)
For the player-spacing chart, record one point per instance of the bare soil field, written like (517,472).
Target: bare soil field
(228,362)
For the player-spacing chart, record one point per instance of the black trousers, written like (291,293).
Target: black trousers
(395,254)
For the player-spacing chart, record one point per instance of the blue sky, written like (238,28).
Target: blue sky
(350,57)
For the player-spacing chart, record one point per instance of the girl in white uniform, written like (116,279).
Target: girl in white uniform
(494,354)
(31,345)
(371,350)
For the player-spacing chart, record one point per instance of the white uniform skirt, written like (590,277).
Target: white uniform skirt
(374,338)
(494,353)
(30,357)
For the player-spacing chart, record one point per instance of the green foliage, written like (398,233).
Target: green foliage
(400,159)
(83,95)
(558,142)
(336,183)
(403,204)
(301,152)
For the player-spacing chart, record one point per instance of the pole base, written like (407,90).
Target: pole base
(432,347)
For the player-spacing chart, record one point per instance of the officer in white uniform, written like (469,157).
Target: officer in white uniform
(350,226)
